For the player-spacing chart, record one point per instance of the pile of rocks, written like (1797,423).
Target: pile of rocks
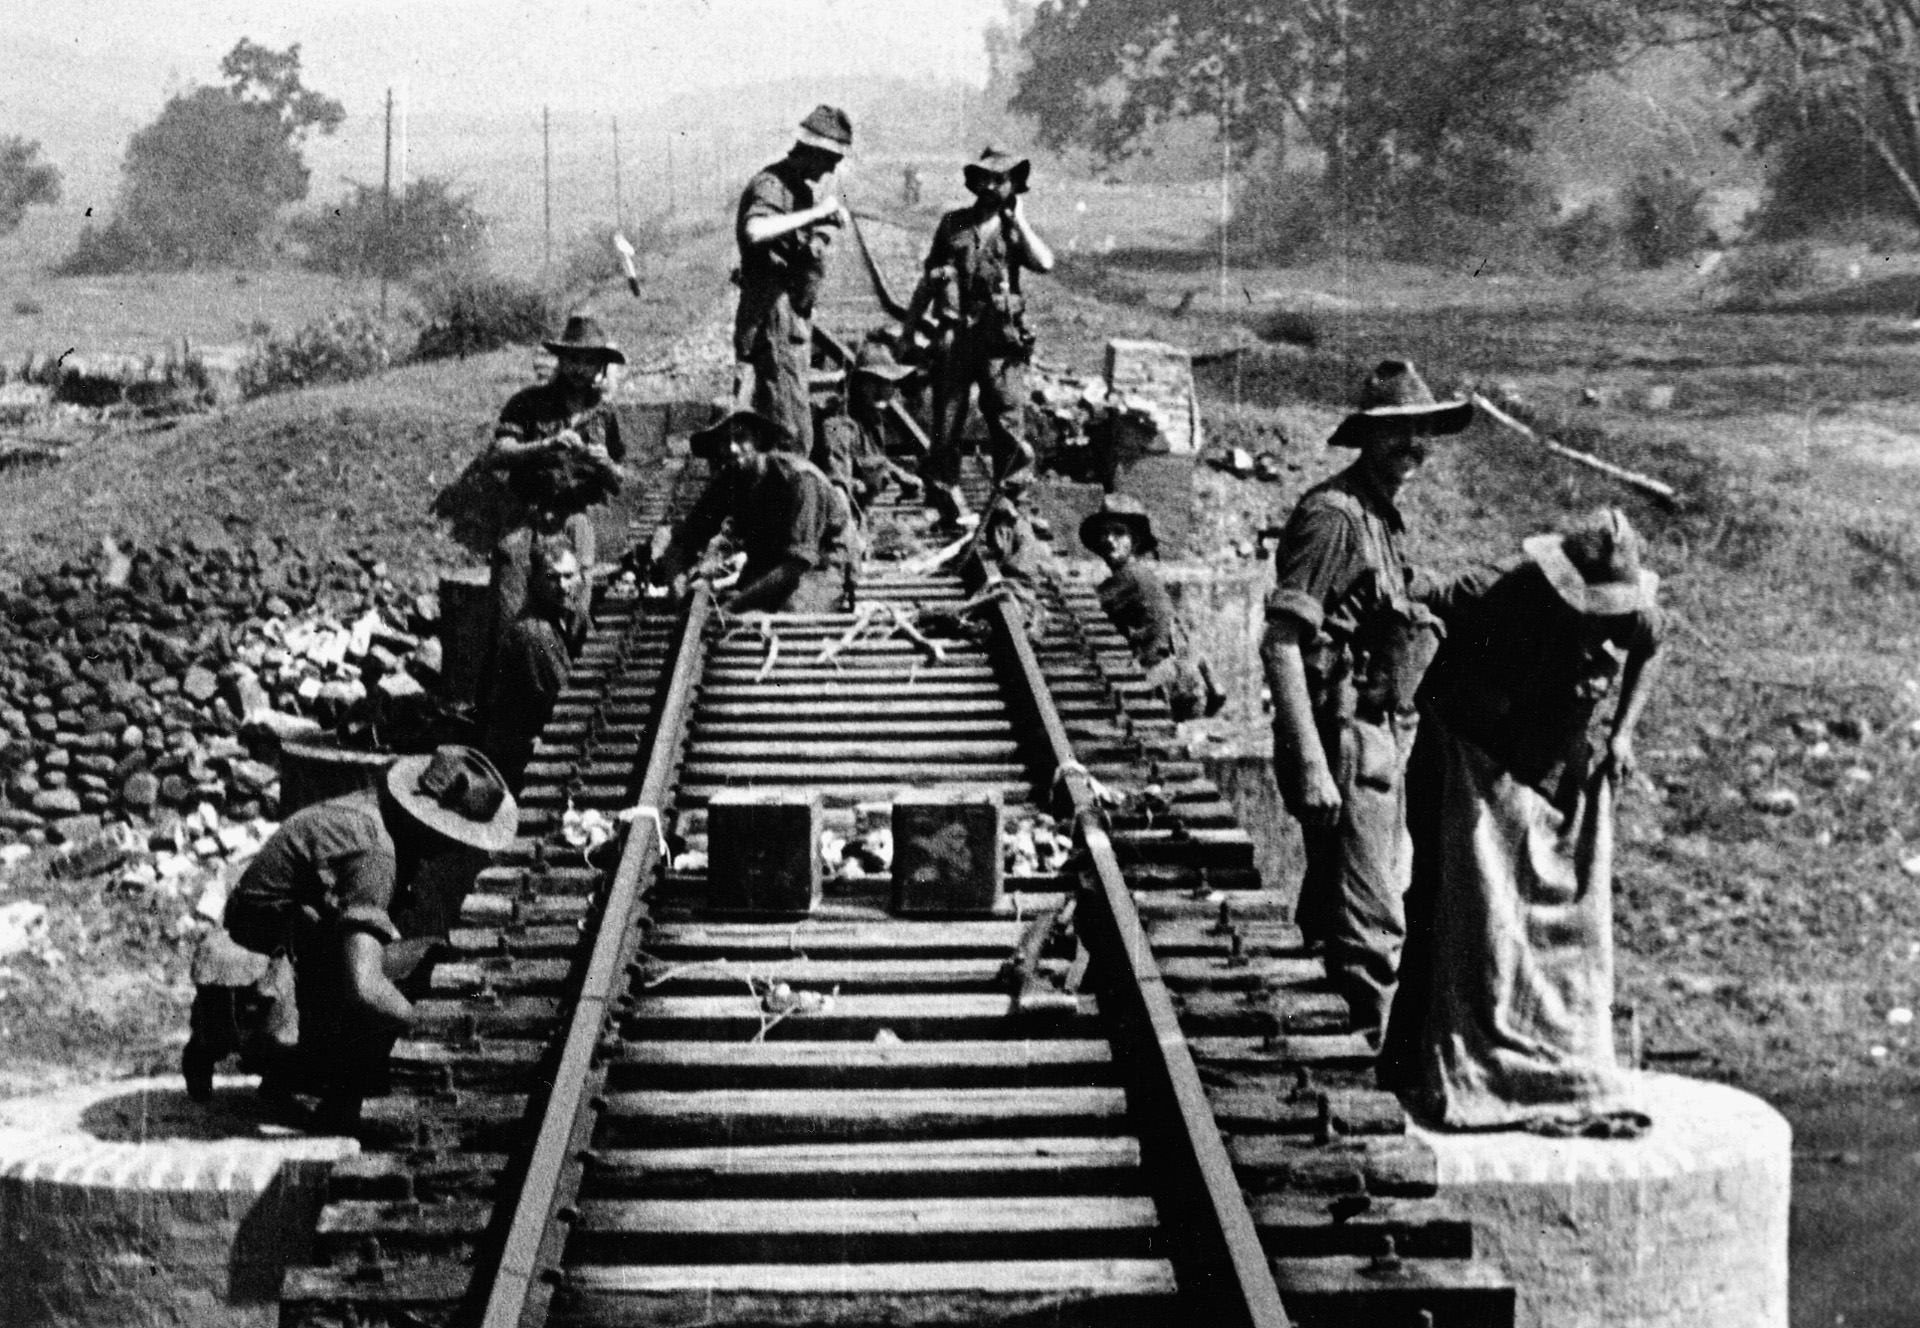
(147,683)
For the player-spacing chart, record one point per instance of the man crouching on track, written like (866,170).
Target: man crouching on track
(1344,649)
(534,657)
(789,519)
(321,893)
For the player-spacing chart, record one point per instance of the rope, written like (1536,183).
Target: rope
(648,812)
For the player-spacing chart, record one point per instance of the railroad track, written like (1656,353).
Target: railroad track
(1124,1096)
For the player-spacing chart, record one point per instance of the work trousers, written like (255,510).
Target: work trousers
(1353,895)
(1002,382)
(773,382)
(511,565)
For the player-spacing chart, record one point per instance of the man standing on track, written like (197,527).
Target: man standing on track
(971,289)
(783,228)
(1344,649)
(558,448)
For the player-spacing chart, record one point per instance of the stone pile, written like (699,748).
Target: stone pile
(145,684)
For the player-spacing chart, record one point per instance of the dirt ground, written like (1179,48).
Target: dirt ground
(1766,904)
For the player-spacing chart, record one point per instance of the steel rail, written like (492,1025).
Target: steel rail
(552,1179)
(1225,1263)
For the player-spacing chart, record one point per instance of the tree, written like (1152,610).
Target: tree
(1431,98)
(24,181)
(203,183)
(429,225)
(1839,97)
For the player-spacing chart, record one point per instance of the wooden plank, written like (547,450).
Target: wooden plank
(682,941)
(1060,1062)
(796,1115)
(391,1177)
(905,728)
(700,769)
(414,1284)
(1255,1014)
(849,975)
(910,1017)
(955,1168)
(1344,1050)
(862,1230)
(531,942)
(1090,1293)
(882,746)
(1250,973)
(1306,1227)
(1391,1165)
(511,1016)
(1350,1292)
(802,708)
(1267,1111)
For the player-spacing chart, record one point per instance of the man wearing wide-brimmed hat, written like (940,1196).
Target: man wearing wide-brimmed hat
(975,317)
(1120,534)
(791,522)
(852,447)
(323,892)
(1505,1008)
(783,227)
(1344,647)
(558,448)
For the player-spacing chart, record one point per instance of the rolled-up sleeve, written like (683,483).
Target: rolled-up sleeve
(1319,555)
(361,892)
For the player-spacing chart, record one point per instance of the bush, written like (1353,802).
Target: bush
(470,311)
(1666,218)
(1288,327)
(346,344)
(1587,240)
(104,250)
(1284,217)
(1760,274)
(429,226)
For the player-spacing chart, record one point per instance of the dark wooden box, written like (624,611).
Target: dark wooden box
(946,851)
(763,851)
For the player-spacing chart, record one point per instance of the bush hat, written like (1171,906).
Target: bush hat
(1395,391)
(458,794)
(1595,566)
(995,164)
(768,435)
(875,360)
(584,339)
(828,129)
(1127,512)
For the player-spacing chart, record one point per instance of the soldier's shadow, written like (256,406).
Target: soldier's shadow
(154,1115)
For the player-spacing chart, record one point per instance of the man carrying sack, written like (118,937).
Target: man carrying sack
(1344,650)
(970,303)
(783,227)
(1505,1014)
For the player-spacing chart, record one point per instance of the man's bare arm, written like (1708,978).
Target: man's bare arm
(368,988)
(1308,785)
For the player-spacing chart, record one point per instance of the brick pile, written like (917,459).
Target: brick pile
(145,684)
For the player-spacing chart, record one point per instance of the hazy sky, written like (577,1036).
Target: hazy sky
(483,55)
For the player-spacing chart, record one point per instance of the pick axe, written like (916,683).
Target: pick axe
(624,247)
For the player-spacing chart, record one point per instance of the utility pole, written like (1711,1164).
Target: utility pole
(1226,167)
(546,175)
(619,204)
(386,205)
